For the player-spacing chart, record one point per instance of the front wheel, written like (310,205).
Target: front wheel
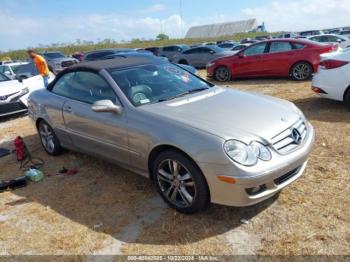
(301,71)
(222,74)
(180,182)
(48,139)
(347,99)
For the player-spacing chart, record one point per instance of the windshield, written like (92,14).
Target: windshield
(3,78)
(27,69)
(156,83)
(54,55)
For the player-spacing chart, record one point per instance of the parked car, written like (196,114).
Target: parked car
(173,127)
(10,69)
(79,56)
(57,61)
(298,59)
(345,33)
(14,93)
(228,45)
(263,37)
(342,41)
(249,41)
(98,54)
(287,35)
(170,51)
(239,47)
(154,50)
(332,79)
(199,57)
(310,33)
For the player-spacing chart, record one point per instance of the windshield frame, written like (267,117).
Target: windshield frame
(113,70)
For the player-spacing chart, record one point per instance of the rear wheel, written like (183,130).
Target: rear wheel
(301,71)
(180,182)
(48,139)
(222,74)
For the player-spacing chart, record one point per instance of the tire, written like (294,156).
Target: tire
(183,62)
(301,71)
(222,74)
(187,192)
(347,98)
(48,139)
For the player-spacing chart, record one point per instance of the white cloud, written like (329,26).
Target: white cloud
(153,9)
(27,32)
(301,14)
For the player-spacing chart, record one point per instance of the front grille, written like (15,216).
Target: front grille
(291,138)
(287,176)
(7,109)
(67,63)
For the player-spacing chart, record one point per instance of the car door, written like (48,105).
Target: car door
(279,58)
(206,55)
(187,56)
(98,133)
(196,56)
(250,61)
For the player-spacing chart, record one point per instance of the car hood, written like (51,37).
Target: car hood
(10,87)
(230,114)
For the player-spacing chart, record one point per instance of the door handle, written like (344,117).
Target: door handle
(67,109)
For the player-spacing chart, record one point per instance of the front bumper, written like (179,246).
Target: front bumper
(333,82)
(271,176)
(12,108)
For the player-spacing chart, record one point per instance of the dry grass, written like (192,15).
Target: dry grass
(105,209)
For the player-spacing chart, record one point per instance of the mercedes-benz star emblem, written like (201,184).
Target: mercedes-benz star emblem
(296,136)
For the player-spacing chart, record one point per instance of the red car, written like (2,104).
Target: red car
(296,58)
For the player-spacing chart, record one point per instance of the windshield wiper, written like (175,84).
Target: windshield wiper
(182,94)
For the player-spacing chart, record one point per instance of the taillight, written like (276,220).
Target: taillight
(332,64)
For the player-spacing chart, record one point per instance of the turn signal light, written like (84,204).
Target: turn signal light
(227,179)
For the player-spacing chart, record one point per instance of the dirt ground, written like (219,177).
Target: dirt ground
(107,210)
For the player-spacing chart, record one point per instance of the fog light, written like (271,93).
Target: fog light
(256,190)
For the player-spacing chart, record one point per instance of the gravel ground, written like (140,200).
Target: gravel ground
(105,209)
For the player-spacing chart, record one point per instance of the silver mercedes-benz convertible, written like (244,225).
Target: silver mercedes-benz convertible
(197,142)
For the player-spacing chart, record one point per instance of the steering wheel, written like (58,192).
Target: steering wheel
(139,93)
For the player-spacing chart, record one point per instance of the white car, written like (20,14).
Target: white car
(14,93)
(10,69)
(332,79)
(342,41)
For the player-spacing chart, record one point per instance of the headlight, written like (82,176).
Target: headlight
(246,155)
(210,65)
(25,90)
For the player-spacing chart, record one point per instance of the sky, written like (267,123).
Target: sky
(28,23)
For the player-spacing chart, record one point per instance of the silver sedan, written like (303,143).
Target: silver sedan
(197,142)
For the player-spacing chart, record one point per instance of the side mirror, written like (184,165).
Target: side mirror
(212,52)
(106,106)
(339,41)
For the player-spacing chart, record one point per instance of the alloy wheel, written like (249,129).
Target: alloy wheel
(222,74)
(301,71)
(176,183)
(47,137)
